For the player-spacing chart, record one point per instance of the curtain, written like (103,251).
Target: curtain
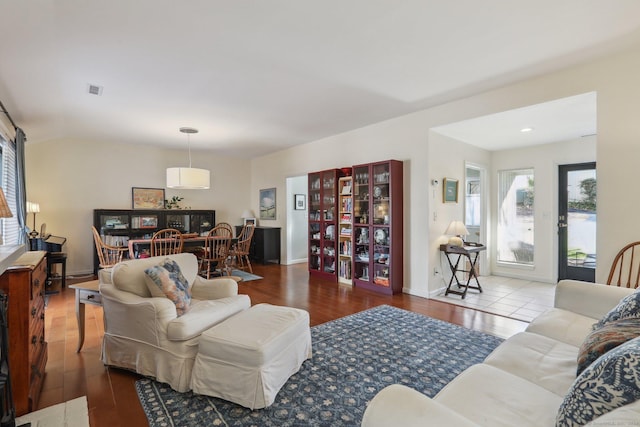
(21,187)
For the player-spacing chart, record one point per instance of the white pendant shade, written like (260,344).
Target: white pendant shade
(188,178)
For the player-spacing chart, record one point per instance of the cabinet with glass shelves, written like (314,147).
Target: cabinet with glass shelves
(323,221)
(345,235)
(378,226)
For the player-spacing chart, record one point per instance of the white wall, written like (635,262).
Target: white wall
(72,178)
(406,138)
(297,222)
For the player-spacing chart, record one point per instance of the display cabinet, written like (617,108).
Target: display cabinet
(345,234)
(118,226)
(323,221)
(378,226)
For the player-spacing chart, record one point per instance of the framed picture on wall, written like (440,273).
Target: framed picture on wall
(268,203)
(299,202)
(250,221)
(449,190)
(147,198)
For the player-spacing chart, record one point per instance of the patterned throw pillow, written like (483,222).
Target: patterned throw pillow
(608,383)
(166,279)
(628,307)
(608,337)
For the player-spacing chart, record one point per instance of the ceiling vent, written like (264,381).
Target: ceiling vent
(95,89)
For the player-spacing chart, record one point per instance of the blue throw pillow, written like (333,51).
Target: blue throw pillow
(608,383)
(627,308)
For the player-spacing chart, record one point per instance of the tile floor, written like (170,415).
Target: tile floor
(73,413)
(515,298)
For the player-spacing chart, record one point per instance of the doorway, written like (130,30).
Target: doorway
(577,221)
(475,210)
(296,232)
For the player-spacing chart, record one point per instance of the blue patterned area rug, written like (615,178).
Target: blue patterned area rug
(246,277)
(354,357)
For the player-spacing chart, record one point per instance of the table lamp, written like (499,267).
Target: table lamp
(33,208)
(5,212)
(456,229)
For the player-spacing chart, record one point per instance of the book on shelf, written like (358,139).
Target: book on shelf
(345,218)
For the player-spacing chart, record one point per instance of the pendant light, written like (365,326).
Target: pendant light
(188,178)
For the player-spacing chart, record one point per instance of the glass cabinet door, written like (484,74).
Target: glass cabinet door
(380,197)
(361,195)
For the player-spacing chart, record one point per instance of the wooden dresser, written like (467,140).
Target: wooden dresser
(24,283)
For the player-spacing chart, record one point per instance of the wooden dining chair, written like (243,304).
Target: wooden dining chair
(215,254)
(108,255)
(168,241)
(625,269)
(239,253)
(223,229)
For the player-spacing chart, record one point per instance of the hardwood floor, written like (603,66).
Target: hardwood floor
(110,392)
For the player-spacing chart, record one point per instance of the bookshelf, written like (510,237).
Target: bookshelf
(345,243)
(323,223)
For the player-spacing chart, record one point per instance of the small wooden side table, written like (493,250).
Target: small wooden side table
(86,293)
(470,252)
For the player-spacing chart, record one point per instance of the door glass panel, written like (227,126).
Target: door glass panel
(472,205)
(515,216)
(581,218)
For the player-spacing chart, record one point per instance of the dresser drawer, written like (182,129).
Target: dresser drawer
(90,297)
(38,280)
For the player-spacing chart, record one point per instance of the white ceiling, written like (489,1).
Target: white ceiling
(258,76)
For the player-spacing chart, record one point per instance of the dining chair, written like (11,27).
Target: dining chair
(239,253)
(108,255)
(223,229)
(168,241)
(625,269)
(216,253)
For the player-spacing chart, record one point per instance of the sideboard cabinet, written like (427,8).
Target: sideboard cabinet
(24,284)
(117,226)
(265,244)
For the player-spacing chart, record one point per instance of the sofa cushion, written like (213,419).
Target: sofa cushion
(605,338)
(204,314)
(490,396)
(608,383)
(562,325)
(166,279)
(549,363)
(627,308)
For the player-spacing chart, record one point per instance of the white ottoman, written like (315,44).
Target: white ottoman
(247,358)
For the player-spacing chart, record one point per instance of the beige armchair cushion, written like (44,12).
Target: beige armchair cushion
(129,275)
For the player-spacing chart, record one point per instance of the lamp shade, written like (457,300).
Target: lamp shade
(33,207)
(247,213)
(188,178)
(456,229)
(5,212)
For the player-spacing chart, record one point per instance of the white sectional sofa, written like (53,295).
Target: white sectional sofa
(525,380)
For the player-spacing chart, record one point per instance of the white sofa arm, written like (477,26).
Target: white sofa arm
(203,289)
(398,405)
(588,299)
(151,314)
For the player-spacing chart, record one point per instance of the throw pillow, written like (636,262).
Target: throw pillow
(606,338)
(628,307)
(608,383)
(166,280)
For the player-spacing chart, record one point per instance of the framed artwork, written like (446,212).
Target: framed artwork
(148,221)
(299,202)
(250,221)
(268,203)
(147,198)
(450,190)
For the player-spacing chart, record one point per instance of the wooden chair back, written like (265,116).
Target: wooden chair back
(223,229)
(244,239)
(625,269)
(107,255)
(216,252)
(166,242)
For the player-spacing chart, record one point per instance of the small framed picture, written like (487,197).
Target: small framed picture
(299,202)
(450,190)
(147,198)
(148,221)
(250,221)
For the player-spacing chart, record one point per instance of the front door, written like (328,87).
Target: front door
(577,222)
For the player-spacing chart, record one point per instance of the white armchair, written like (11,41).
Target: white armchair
(144,333)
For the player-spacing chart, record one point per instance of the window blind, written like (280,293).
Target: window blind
(10,227)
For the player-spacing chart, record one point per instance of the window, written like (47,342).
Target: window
(515,216)
(10,227)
